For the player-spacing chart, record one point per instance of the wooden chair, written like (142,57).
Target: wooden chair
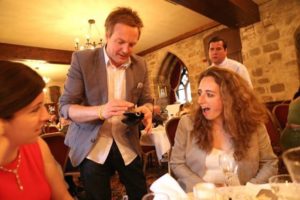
(49,129)
(60,152)
(148,155)
(171,127)
(274,134)
(280,112)
(57,147)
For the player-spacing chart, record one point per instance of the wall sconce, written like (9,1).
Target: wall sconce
(162,91)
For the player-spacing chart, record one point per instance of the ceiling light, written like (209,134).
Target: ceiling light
(89,43)
(46,79)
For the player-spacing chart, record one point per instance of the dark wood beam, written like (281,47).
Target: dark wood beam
(232,13)
(15,52)
(178,38)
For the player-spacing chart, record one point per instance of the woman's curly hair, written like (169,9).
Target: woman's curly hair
(242,112)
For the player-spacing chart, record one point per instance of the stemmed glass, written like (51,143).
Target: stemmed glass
(291,160)
(156,196)
(229,167)
(283,187)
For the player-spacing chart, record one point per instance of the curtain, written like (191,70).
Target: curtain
(174,81)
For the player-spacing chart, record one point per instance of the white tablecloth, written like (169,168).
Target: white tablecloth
(244,192)
(159,139)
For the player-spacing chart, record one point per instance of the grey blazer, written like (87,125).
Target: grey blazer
(188,160)
(86,85)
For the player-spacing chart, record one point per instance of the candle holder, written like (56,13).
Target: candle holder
(204,191)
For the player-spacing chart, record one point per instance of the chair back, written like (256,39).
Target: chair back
(60,152)
(280,112)
(171,127)
(274,133)
(148,154)
(57,147)
(49,129)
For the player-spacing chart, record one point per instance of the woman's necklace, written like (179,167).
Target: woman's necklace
(15,171)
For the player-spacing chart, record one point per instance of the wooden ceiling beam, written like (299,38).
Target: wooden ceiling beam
(232,13)
(16,52)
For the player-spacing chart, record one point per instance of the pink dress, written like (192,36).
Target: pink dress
(32,177)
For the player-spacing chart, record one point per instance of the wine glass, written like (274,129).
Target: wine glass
(291,160)
(283,187)
(156,196)
(229,167)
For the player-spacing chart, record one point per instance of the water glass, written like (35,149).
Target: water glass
(156,196)
(291,160)
(283,187)
(229,167)
(204,191)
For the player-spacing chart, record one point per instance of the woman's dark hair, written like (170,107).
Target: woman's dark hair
(19,86)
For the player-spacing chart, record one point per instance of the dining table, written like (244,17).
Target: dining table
(157,138)
(167,184)
(253,192)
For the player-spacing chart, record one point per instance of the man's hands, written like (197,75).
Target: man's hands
(118,107)
(115,108)
(147,121)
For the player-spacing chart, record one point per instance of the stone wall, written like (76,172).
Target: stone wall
(268,49)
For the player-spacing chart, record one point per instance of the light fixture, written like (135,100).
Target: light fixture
(46,79)
(89,43)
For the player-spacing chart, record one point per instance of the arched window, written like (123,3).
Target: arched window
(183,91)
(173,79)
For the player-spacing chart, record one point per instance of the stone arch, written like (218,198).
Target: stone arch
(169,71)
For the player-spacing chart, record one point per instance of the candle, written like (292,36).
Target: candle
(204,191)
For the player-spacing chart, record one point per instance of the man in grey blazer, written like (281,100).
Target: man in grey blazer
(101,85)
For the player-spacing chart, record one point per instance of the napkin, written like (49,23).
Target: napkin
(168,185)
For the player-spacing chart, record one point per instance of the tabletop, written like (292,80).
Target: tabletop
(158,138)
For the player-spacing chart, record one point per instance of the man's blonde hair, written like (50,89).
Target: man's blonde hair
(123,15)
